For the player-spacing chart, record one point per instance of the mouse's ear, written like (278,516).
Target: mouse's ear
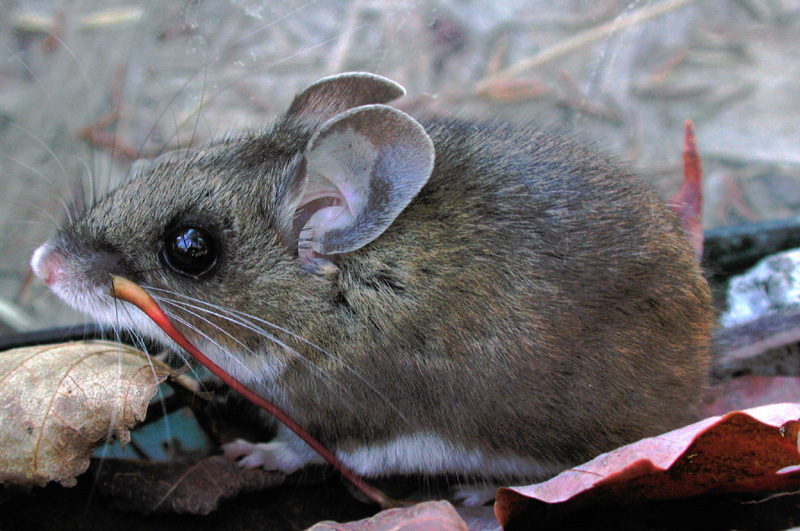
(335,94)
(361,169)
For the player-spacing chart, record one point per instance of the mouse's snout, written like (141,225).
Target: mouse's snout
(80,277)
(64,267)
(47,264)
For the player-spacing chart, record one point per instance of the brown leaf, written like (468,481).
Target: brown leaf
(745,451)
(58,401)
(151,487)
(438,515)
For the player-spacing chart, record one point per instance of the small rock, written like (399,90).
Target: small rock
(771,286)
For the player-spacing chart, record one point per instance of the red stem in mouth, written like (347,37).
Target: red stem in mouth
(126,290)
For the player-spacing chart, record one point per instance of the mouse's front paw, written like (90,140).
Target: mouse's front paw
(274,455)
(473,495)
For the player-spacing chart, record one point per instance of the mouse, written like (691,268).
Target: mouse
(425,295)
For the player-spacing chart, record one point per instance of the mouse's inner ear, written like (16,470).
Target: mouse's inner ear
(335,94)
(361,169)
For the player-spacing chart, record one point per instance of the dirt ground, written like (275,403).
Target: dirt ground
(87,85)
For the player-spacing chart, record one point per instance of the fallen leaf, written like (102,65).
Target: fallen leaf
(687,203)
(58,401)
(438,515)
(745,451)
(159,487)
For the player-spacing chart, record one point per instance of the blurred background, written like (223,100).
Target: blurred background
(88,86)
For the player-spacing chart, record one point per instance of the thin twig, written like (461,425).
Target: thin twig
(583,39)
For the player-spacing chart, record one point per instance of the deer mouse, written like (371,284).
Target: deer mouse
(425,296)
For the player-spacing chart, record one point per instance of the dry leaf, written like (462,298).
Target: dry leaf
(438,515)
(687,203)
(198,488)
(745,451)
(58,401)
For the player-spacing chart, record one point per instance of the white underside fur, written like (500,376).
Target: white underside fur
(418,453)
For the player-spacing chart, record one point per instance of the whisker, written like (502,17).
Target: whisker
(188,325)
(35,209)
(149,270)
(56,196)
(92,189)
(252,328)
(247,316)
(34,223)
(49,151)
(188,308)
(176,128)
(118,90)
(207,337)
(230,84)
(244,315)
(63,45)
(193,136)
(188,363)
(139,341)
(30,72)
(167,107)
(273,22)
(185,307)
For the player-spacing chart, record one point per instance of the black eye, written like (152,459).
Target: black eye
(190,250)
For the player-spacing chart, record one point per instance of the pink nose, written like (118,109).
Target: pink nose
(47,265)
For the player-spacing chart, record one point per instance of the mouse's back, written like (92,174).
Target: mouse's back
(557,286)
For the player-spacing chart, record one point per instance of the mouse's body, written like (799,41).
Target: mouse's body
(513,308)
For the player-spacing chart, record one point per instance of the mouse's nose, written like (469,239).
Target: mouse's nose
(47,265)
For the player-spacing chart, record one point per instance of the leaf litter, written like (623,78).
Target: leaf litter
(196,488)
(58,402)
(633,457)
(744,451)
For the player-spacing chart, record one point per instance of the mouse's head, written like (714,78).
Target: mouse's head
(248,226)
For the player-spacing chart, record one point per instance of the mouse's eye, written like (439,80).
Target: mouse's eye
(190,250)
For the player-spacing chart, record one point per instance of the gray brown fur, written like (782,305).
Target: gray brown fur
(533,298)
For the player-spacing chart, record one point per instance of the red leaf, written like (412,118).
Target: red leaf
(744,451)
(687,202)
